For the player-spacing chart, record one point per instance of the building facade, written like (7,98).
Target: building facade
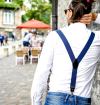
(62,22)
(10,19)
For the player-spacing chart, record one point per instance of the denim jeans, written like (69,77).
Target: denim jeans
(25,43)
(2,42)
(13,39)
(42,36)
(57,98)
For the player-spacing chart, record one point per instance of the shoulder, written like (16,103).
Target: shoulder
(54,35)
(97,34)
(29,34)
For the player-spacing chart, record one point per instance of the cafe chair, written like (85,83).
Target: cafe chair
(26,52)
(20,55)
(34,54)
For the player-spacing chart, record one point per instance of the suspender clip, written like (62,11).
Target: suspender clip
(71,93)
(72,90)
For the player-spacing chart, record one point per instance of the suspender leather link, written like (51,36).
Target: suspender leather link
(75,64)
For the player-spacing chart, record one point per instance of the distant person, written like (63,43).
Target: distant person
(42,43)
(42,34)
(34,30)
(35,42)
(36,33)
(25,34)
(13,36)
(6,38)
(27,38)
(3,38)
(48,32)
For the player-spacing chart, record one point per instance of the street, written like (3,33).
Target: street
(16,81)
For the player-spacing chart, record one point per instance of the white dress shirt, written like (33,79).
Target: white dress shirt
(13,33)
(35,42)
(55,57)
(28,37)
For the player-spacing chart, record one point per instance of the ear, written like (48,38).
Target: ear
(70,13)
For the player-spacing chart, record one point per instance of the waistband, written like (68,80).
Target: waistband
(69,97)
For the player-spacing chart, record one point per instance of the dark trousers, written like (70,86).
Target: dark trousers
(25,43)
(6,41)
(2,42)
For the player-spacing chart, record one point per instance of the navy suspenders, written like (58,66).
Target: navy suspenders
(75,61)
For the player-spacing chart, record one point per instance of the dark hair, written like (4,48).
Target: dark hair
(79,8)
(33,32)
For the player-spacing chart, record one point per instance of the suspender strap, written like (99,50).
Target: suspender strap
(74,61)
(78,60)
(85,49)
(67,45)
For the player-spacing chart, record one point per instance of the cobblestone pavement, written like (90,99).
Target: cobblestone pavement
(16,81)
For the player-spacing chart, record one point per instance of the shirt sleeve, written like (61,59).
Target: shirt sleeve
(42,71)
(31,39)
(98,19)
(31,42)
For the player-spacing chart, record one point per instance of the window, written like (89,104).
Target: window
(8,1)
(8,17)
(9,34)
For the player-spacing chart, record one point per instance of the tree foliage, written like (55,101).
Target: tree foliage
(40,10)
(24,18)
(50,1)
(20,2)
(7,5)
(16,4)
(1,0)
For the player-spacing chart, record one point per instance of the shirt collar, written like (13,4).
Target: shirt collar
(78,25)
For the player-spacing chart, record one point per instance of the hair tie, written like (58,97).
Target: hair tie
(88,1)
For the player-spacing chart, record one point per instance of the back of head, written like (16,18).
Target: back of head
(33,32)
(1,33)
(79,8)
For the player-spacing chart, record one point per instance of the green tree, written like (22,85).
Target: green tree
(50,1)
(1,0)
(16,4)
(40,10)
(20,2)
(24,18)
